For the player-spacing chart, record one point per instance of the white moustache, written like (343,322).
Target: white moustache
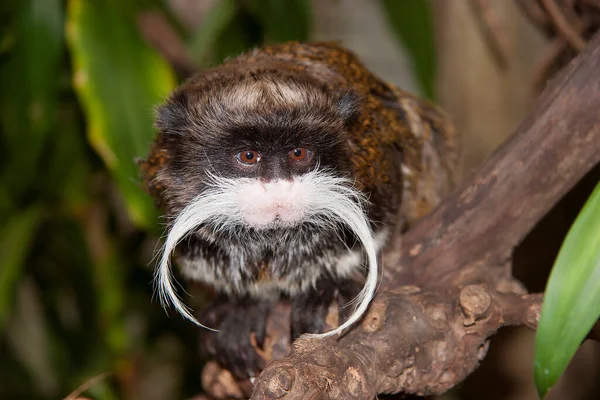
(318,196)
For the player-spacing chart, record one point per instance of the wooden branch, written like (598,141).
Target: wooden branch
(448,286)
(553,148)
(411,341)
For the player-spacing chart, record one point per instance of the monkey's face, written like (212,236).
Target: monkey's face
(252,152)
(276,192)
(263,144)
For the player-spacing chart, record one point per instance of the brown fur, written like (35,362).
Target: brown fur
(400,146)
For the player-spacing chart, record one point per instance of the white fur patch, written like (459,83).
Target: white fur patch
(348,263)
(251,95)
(265,204)
(317,196)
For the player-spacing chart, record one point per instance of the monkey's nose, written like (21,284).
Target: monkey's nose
(279,186)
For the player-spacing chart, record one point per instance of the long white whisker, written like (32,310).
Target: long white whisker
(338,199)
(212,205)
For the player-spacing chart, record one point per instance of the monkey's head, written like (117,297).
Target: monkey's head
(260,131)
(248,149)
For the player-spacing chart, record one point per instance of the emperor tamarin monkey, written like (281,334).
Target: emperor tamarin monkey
(282,173)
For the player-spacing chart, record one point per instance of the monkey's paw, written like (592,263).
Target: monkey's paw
(241,324)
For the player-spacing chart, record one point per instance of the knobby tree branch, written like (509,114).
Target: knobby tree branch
(447,282)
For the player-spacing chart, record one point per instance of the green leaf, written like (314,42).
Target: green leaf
(284,20)
(412,23)
(28,99)
(216,21)
(15,238)
(119,80)
(109,280)
(572,300)
(67,170)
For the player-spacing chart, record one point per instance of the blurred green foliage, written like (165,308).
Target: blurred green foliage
(118,79)
(77,87)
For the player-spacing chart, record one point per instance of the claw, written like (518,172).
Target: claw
(232,345)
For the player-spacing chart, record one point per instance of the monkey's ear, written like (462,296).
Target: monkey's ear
(349,106)
(173,116)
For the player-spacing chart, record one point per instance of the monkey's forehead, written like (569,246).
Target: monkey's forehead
(224,98)
(250,94)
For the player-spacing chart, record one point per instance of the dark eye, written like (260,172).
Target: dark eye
(248,157)
(299,154)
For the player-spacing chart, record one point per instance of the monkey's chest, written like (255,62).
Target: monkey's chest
(267,271)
